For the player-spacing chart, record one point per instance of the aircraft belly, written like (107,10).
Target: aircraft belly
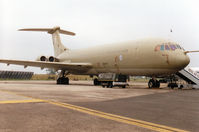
(135,72)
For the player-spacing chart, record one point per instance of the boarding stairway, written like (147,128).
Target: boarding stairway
(191,77)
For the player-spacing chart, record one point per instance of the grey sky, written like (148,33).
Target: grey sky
(95,23)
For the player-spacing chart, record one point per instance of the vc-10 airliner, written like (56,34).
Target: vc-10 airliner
(145,57)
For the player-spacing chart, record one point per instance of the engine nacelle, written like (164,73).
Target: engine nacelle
(53,59)
(41,58)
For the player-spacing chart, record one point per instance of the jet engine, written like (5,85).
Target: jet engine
(53,59)
(41,58)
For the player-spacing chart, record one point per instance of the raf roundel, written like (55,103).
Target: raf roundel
(121,57)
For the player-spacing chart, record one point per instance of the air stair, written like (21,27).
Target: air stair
(191,77)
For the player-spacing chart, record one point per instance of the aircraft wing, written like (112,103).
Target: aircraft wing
(55,65)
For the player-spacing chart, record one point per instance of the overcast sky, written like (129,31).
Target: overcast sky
(95,22)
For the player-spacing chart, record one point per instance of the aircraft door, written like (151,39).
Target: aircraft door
(117,60)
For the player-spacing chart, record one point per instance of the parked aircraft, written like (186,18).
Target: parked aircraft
(145,57)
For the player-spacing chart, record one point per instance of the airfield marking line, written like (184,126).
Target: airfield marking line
(20,101)
(123,119)
(126,120)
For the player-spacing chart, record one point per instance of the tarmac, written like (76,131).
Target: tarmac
(44,106)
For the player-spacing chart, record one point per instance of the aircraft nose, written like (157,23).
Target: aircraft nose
(182,60)
(187,59)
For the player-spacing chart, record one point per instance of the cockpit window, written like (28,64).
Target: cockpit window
(173,47)
(157,48)
(178,46)
(162,47)
(168,46)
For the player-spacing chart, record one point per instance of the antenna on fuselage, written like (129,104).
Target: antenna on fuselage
(170,33)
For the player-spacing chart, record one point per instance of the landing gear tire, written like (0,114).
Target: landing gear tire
(153,83)
(66,80)
(63,80)
(157,84)
(150,83)
(59,80)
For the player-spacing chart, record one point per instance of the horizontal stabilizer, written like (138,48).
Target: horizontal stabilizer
(49,30)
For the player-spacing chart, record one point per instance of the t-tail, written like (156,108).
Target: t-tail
(58,46)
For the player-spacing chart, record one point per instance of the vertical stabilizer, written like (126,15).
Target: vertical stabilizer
(58,46)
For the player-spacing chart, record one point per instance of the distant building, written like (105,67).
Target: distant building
(16,75)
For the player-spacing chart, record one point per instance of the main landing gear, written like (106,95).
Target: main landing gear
(63,79)
(153,83)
